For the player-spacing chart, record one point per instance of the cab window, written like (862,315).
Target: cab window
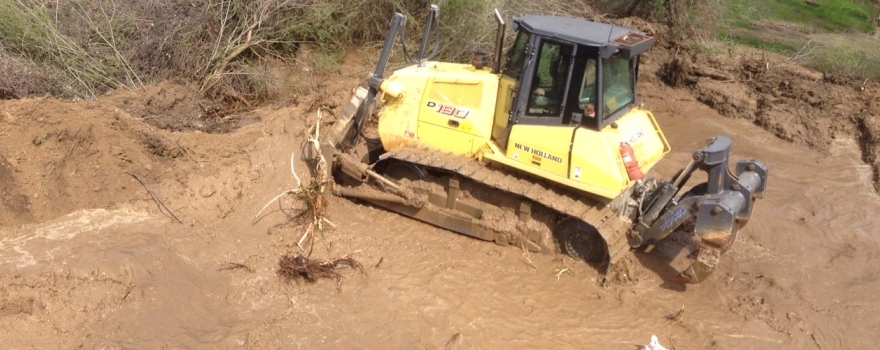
(550,79)
(587,94)
(617,85)
(516,55)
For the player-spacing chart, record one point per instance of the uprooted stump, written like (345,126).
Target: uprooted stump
(301,267)
(312,194)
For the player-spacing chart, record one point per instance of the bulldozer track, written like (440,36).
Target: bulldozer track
(599,214)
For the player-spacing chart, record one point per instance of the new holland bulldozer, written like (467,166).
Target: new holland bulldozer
(545,148)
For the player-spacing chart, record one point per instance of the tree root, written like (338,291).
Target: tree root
(300,267)
(312,194)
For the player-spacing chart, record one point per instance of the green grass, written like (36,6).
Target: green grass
(830,15)
(753,41)
(786,26)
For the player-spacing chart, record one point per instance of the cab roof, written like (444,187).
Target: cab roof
(579,31)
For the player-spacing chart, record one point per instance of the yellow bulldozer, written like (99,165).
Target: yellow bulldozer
(544,148)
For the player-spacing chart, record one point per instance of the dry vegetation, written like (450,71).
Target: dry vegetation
(83,48)
(226,49)
(80,49)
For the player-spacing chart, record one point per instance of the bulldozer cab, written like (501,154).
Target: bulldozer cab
(567,72)
(566,104)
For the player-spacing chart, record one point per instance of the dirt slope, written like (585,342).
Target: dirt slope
(794,103)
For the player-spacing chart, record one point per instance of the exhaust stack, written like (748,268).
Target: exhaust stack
(499,42)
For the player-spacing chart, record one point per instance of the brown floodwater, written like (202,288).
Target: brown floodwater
(803,274)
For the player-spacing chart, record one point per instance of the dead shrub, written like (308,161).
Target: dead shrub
(23,78)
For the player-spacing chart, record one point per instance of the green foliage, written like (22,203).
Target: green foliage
(783,48)
(830,15)
(328,62)
(786,27)
(94,66)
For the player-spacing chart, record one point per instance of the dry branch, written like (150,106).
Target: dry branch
(675,318)
(235,266)
(255,26)
(155,199)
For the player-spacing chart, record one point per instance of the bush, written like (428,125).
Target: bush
(23,78)
(32,32)
(220,46)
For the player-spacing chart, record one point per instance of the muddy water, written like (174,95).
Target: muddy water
(804,273)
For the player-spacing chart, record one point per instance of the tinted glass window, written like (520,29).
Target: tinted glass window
(617,85)
(516,55)
(587,95)
(549,80)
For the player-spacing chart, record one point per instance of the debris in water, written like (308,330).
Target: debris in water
(454,340)
(654,345)
(235,266)
(311,270)
(676,317)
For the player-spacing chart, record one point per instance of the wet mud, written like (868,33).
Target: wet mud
(91,261)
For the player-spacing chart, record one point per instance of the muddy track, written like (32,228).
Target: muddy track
(597,213)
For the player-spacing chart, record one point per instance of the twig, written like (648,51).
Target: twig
(381,259)
(293,171)
(328,222)
(293,191)
(69,152)
(303,237)
(527,256)
(805,52)
(312,193)
(71,148)
(186,152)
(235,266)
(560,272)
(676,318)
(302,267)
(453,340)
(155,199)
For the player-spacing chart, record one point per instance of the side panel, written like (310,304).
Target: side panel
(596,161)
(641,131)
(446,106)
(596,154)
(398,122)
(507,87)
(448,140)
(460,100)
(543,147)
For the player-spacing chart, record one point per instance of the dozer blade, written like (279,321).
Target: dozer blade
(703,223)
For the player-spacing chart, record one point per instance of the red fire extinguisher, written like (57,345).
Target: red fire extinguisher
(629,160)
